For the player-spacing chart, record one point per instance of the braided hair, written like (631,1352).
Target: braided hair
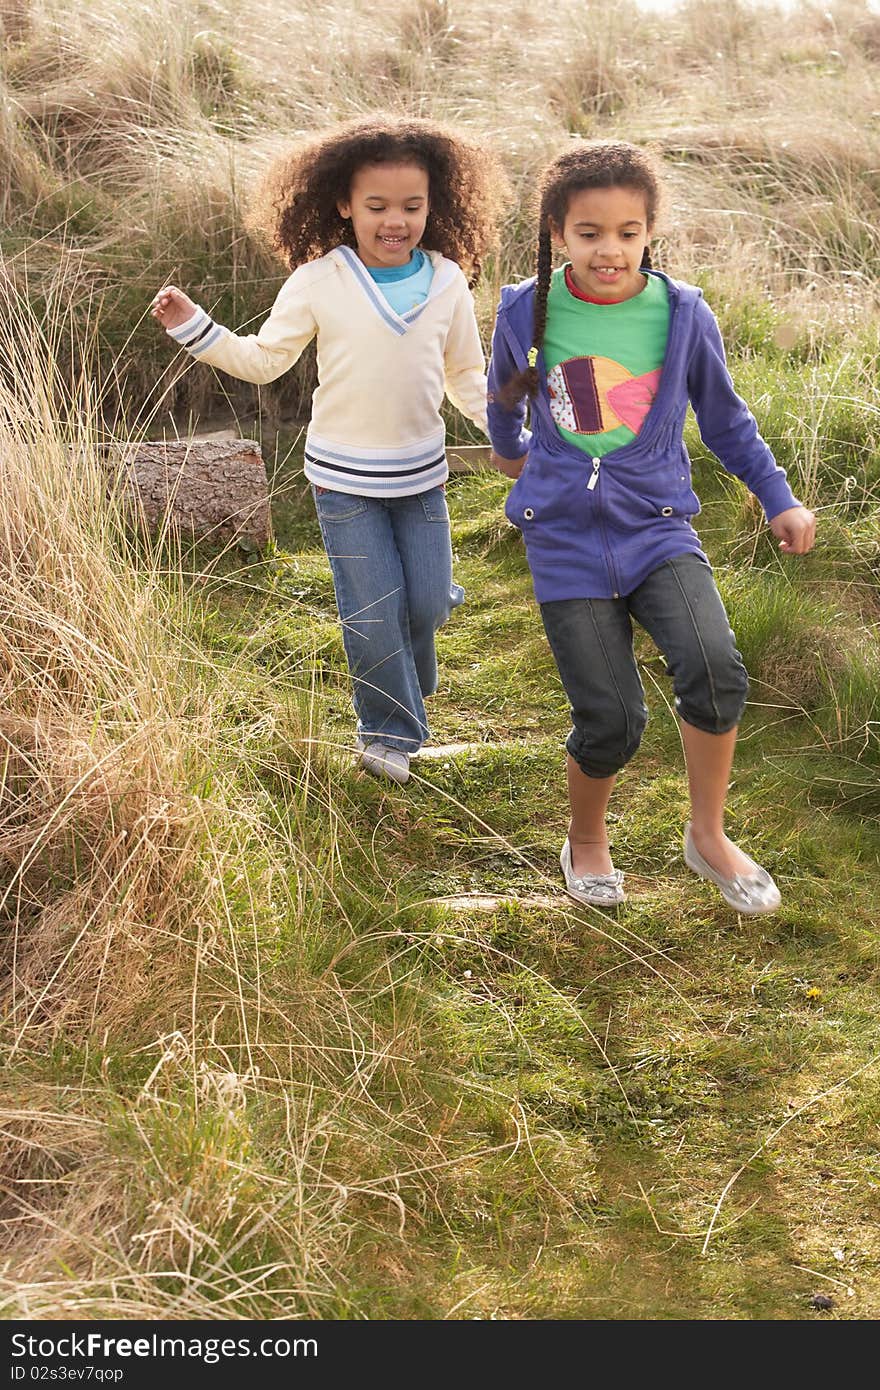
(592,164)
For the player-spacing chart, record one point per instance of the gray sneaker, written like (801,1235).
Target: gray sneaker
(393,763)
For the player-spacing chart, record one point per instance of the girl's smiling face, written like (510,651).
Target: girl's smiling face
(605,234)
(388,207)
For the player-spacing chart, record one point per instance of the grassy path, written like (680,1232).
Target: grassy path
(662,1112)
(284,1039)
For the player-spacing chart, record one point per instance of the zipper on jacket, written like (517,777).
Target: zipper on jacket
(600,517)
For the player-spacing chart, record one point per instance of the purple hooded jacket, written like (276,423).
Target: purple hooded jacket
(596,528)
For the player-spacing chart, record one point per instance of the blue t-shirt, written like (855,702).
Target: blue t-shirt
(405,286)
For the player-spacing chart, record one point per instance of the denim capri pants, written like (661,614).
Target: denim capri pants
(592,642)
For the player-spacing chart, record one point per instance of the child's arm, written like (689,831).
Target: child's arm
(257,357)
(729,429)
(464,364)
(507,431)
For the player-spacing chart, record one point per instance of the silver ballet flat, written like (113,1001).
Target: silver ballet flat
(596,890)
(751,894)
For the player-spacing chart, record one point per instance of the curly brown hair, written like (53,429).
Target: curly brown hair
(592,164)
(467,189)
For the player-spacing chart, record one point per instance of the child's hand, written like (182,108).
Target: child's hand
(172,307)
(795,530)
(511,467)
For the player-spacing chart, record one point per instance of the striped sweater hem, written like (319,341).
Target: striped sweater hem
(379,479)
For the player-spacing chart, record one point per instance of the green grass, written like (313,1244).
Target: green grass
(597,1079)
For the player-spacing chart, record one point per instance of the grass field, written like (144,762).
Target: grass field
(278,1040)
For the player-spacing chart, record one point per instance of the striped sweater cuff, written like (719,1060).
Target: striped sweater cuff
(198,333)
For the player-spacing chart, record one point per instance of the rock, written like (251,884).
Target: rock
(821,1300)
(208,489)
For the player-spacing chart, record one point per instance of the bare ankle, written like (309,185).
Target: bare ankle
(589,856)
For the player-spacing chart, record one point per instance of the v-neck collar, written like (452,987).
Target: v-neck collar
(444,272)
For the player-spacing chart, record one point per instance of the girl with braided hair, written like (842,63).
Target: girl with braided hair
(384,223)
(609,352)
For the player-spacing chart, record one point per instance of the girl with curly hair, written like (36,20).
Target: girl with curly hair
(609,353)
(384,223)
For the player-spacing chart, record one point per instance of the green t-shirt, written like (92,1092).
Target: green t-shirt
(604,363)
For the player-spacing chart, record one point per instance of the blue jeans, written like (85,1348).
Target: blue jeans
(391,560)
(592,642)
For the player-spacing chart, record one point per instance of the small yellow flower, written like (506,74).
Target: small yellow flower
(813,992)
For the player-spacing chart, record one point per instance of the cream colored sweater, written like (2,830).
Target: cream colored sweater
(376,427)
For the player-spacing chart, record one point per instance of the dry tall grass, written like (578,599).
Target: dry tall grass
(207,1133)
(132,139)
(135,880)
